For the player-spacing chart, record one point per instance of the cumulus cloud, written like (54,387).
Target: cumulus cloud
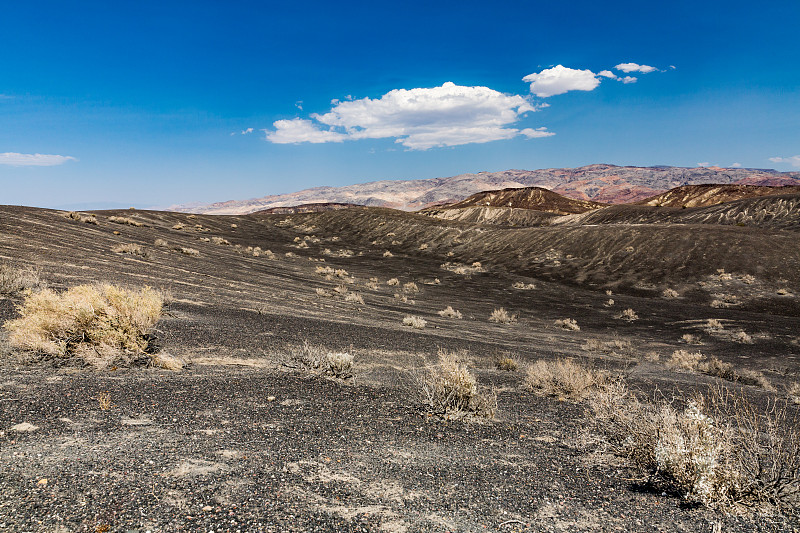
(246,131)
(704,164)
(794,160)
(607,74)
(736,165)
(561,79)
(419,119)
(633,67)
(628,79)
(33,160)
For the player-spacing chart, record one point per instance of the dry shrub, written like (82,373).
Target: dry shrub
(688,338)
(339,364)
(685,360)
(161,243)
(416,322)
(410,287)
(462,269)
(609,303)
(387,253)
(403,298)
(340,289)
(450,390)
(501,316)
(628,315)
(167,362)
(449,312)
(564,379)
(669,293)
(354,297)
(519,285)
(80,217)
(133,249)
(793,393)
(322,292)
(125,220)
(568,324)
(340,273)
(712,325)
(15,281)
(319,360)
(98,324)
(324,270)
(615,346)
(720,450)
(423,246)
(179,225)
(188,251)
(392,282)
(506,362)
(220,240)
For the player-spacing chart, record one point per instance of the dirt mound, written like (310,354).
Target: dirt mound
(535,198)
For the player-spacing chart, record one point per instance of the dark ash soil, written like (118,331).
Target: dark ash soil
(237,441)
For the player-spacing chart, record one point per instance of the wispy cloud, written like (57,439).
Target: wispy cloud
(33,160)
(794,160)
(736,165)
(419,119)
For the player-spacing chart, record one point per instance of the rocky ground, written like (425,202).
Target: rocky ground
(242,440)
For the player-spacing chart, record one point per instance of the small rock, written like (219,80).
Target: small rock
(207,508)
(270,398)
(42,482)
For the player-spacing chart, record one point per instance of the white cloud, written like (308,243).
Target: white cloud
(33,160)
(794,160)
(537,133)
(629,79)
(736,165)
(419,119)
(248,130)
(560,79)
(633,67)
(607,74)
(704,164)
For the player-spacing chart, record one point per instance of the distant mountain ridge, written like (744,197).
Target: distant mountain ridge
(598,183)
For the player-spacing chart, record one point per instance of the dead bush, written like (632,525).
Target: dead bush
(14,281)
(125,220)
(450,390)
(719,450)
(519,285)
(319,360)
(131,248)
(161,243)
(81,217)
(628,315)
(564,379)
(501,316)
(449,312)
(568,324)
(416,322)
(188,251)
(506,362)
(669,293)
(98,324)
(685,360)
(392,282)
(221,241)
(354,297)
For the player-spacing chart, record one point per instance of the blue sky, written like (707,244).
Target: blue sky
(145,103)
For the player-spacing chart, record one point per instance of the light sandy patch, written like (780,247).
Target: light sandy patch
(141,421)
(230,361)
(24,427)
(196,467)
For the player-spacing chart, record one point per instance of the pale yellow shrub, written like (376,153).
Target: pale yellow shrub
(449,312)
(501,316)
(564,378)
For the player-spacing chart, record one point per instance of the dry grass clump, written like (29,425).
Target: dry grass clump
(404,299)
(80,217)
(340,289)
(609,303)
(410,287)
(387,253)
(324,270)
(125,220)
(15,281)
(712,324)
(619,346)
(519,285)
(462,269)
(506,362)
(188,251)
(450,390)
(628,315)
(669,293)
(220,240)
(568,324)
(319,360)
(449,312)
(99,324)
(416,322)
(501,316)
(133,249)
(323,292)
(685,360)
(161,243)
(179,225)
(564,379)
(719,450)
(392,282)
(354,297)
(688,338)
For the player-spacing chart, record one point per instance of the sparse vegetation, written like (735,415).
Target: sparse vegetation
(125,220)
(354,297)
(179,226)
(161,243)
(392,282)
(14,281)
(416,322)
(669,293)
(410,287)
(97,324)
(188,251)
(685,360)
(564,378)
(519,285)
(319,360)
(506,362)
(568,324)
(501,316)
(450,390)
(449,312)
(131,248)
(220,240)
(629,315)
(81,217)
(387,253)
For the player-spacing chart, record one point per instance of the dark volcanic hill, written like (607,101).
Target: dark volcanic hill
(598,183)
(527,198)
(713,194)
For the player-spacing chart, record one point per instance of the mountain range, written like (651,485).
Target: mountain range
(599,183)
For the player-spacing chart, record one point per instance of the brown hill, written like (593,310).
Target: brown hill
(535,198)
(712,194)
